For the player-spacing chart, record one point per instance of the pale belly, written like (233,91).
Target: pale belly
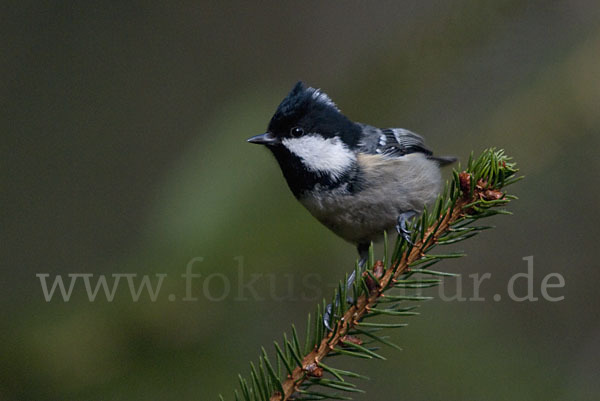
(363,216)
(355,219)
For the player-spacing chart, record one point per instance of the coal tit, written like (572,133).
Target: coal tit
(356,179)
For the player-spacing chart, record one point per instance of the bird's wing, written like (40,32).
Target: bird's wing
(391,142)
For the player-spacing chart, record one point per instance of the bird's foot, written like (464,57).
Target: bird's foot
(363,253)
(401,226)
(327,314)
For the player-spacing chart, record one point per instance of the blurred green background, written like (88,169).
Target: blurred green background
(123,151)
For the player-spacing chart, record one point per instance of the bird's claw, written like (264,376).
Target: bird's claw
(403,231)
(327,317)
(328,313)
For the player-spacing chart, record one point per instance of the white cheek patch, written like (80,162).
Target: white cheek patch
(320,155)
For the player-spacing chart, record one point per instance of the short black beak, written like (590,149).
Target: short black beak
(264,139)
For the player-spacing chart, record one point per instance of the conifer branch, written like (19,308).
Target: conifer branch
(473,194)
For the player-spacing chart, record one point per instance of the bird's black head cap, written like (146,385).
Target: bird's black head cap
(313,111)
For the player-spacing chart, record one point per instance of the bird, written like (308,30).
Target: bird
(356,179)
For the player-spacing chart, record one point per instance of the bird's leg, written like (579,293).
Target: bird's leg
(363,252)
(401,226)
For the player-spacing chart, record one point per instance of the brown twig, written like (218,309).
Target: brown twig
(361,307)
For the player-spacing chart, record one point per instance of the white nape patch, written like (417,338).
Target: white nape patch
(322,155)
(322,97)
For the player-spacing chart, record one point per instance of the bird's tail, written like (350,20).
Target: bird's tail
(444,160)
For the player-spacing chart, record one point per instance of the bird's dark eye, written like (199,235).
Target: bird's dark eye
(296,131)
